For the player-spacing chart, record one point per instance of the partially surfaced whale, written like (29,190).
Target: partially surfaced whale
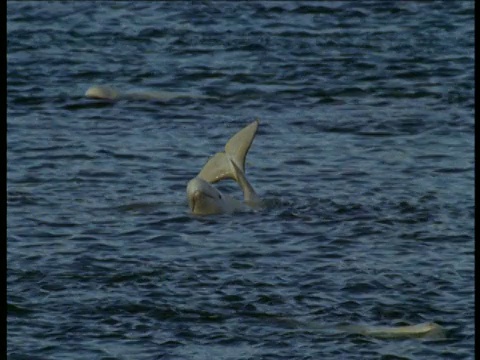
(205,199)
(429,330)
(112,94)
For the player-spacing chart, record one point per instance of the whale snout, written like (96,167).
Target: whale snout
(194,199)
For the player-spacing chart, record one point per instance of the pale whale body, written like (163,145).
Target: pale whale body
(427,330)
(424,330)
(205,199)
(112,94)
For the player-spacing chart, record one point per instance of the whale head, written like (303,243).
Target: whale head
(204,199)
(102,92)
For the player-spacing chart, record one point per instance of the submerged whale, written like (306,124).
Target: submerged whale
(425,330)
(112,94)
(205,199)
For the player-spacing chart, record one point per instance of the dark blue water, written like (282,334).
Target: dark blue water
(364,153)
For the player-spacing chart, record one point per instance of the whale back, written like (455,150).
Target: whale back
(423,330)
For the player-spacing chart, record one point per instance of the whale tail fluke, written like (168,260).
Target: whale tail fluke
(230,164)
(219,166)
(239,144)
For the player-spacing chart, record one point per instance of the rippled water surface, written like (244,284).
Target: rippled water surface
(364,155)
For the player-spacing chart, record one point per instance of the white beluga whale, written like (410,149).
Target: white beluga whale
(204,198)
(429,330)
(103,92)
